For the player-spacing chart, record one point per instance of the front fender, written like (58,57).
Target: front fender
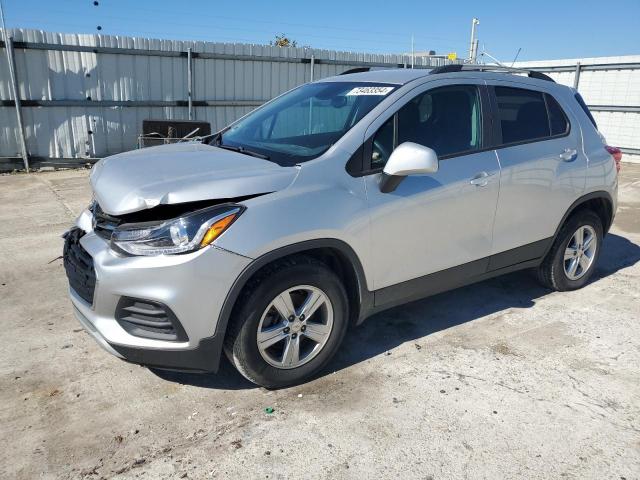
(297,215)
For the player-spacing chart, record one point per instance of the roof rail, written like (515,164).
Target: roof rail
(446,69)
(540,76)
(356,70)
(490,68)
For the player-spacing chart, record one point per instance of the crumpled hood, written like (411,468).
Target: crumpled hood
(182,172)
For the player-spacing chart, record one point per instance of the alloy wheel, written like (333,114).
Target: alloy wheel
(580,252)
(295,327)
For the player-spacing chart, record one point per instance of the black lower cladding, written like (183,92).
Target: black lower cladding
(203,358)
(526,256)
(149,319)
(78,265)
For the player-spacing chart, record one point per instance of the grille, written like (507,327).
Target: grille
(149,319)
(78,265)
(103,224)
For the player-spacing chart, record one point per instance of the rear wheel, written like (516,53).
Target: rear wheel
(288,323)
(573,256)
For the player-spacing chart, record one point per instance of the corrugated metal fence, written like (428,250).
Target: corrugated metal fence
(611,88)
(84,96)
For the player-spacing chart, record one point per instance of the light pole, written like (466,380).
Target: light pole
(413,52)
(473,44)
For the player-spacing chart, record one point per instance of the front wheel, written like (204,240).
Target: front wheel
(288,323)
(573,256)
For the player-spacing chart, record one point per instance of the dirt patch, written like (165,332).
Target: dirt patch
(503,348)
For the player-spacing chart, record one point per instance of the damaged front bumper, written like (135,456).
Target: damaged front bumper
(190,288)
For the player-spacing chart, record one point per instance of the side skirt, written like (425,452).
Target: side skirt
(519,258)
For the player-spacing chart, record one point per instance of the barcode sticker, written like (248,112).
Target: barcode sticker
(369,91)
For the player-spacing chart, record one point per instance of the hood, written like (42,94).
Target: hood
(182,172)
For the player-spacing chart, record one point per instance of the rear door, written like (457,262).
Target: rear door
(543,166)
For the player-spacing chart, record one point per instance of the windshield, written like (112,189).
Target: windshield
(304,123)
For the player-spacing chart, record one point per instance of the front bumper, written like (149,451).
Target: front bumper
(205,357)
(194,286)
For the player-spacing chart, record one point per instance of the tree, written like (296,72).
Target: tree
(283,41)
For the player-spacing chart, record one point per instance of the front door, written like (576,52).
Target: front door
(434,222)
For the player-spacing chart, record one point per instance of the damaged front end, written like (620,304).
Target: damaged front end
(182,174)
(167,229)
(176,199)
(143,285)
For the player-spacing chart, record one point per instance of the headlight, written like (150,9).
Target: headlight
(184,234)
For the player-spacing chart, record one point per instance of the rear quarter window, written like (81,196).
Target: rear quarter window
(558,122)
(580,101)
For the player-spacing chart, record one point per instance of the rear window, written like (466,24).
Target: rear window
(523,115)
(528,115)
(580,101)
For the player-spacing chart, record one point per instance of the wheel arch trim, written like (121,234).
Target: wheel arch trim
(365,296)
(599,194)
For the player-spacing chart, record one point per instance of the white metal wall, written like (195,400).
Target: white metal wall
(63,131)
(607,88)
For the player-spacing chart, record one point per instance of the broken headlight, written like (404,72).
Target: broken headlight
(183,234)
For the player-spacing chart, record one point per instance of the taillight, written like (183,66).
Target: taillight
(616,153)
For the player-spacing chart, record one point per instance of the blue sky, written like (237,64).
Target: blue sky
(544,29)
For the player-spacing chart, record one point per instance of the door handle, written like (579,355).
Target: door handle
(481,179)
(568,154)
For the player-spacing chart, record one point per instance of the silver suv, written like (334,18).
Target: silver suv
(334,201)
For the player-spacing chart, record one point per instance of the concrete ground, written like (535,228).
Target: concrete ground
(501,379)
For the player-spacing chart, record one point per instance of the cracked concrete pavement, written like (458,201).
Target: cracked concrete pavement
(501,379)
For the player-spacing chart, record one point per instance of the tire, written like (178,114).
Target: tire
(255,309)
(555,271)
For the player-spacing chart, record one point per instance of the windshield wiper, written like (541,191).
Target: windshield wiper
(243,151)
(216,138)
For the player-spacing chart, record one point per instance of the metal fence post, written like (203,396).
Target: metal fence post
(313,62)
(576,76)
(16,96)
(190,82)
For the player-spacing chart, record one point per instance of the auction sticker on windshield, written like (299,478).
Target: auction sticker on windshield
(369,91)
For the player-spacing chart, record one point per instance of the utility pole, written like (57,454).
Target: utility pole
(8,46)
(473,44)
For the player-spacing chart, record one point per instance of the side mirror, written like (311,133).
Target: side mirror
(407,159)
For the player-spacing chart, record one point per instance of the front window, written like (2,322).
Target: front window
(304,123)
(446,119)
